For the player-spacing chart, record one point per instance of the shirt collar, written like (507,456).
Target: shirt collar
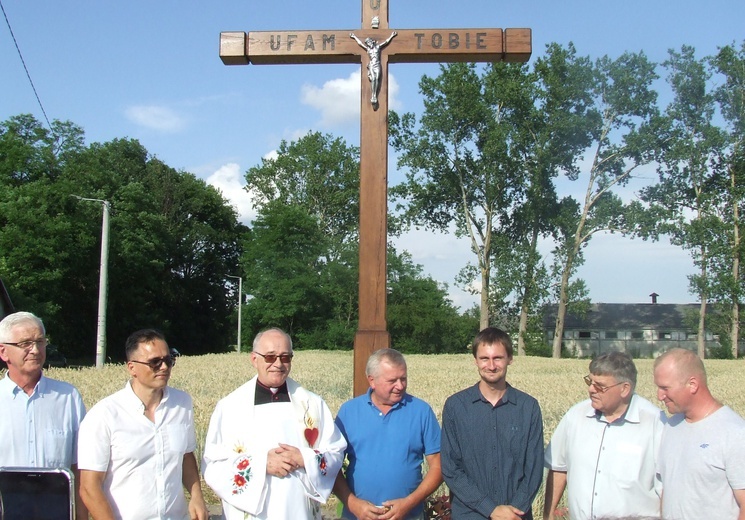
(508,397)
(399,404)
(9,386)
(132,401)
(264,395)
(630,415)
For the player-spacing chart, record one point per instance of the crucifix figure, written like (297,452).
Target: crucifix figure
(374,71)
(409,46)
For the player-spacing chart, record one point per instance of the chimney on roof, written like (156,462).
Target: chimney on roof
(654,296)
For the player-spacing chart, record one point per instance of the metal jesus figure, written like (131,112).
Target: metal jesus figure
(374,70)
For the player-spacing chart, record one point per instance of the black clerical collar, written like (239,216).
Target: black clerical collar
(264,394)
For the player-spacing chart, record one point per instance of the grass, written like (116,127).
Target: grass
(556,384)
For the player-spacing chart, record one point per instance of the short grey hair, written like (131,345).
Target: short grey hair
(392,356)
(617,364)
(273,329)
(18,318)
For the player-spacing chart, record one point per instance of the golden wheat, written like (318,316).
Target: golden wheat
(557,384)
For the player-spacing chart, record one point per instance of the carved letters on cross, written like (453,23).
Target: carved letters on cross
(409,46)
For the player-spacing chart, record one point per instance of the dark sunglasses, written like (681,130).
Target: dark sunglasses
(271,358)
(155,363)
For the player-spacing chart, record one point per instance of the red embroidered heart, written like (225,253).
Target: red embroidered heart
(311,435)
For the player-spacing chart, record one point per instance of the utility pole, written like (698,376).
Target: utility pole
(103,282)
(240,304)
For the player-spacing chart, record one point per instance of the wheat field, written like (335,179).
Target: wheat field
(556,384)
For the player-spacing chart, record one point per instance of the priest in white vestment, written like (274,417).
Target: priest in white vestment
(272,450)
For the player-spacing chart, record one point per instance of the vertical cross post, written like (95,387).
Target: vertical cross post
(401,46)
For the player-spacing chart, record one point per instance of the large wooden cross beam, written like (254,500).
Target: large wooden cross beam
(374,46)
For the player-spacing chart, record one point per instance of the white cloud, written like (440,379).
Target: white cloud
(338,100)
(229,180)
(160,118)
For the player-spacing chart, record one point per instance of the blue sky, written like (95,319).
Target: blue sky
(150,70)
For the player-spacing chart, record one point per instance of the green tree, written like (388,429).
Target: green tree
(173,239)
(624,131)
(421,318)
(460,169)
(730,95)
(688,176)
(484,160)
(312,185)
(283,267)
(318,172)
(301,260)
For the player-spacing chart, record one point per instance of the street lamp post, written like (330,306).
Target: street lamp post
(102,283)
(240,304)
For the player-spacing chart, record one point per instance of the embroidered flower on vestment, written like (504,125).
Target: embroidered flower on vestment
(242,474)
(321,460)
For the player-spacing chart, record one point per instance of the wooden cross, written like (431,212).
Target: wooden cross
(374,40)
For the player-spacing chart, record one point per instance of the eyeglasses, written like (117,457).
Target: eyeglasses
(155,363)
(28,344)
(271,358)
(600,388)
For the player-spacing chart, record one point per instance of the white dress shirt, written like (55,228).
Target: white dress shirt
(610,466)
(142,460)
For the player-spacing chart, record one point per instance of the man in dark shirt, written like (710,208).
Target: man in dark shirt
(492,439)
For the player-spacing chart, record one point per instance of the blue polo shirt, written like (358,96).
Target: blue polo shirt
(386,451)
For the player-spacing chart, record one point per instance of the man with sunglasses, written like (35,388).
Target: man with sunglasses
(41,416)
(136,446)
(605,448)
(272,450)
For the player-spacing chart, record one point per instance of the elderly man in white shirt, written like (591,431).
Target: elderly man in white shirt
(136,447)
(41,416)
(605,448)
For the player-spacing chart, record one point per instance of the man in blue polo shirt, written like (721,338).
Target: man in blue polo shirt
(389,433)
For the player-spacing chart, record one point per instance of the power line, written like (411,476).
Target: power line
(28,75)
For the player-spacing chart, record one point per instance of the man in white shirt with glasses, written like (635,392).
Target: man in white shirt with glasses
(136,447)
(605,448)
(41,416)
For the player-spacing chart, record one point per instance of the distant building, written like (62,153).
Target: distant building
(641,329)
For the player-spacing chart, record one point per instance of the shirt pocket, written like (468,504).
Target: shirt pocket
(177,438)
(57,447)
(627,464)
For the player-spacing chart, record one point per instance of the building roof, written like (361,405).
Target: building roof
(628,316)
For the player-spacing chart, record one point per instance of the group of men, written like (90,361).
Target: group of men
(273,450)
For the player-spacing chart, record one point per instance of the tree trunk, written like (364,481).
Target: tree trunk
(735,330)
(702,329)
(735,316)
(529,284)
(484,304)
(702,309)
(523,328)
(561,311)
